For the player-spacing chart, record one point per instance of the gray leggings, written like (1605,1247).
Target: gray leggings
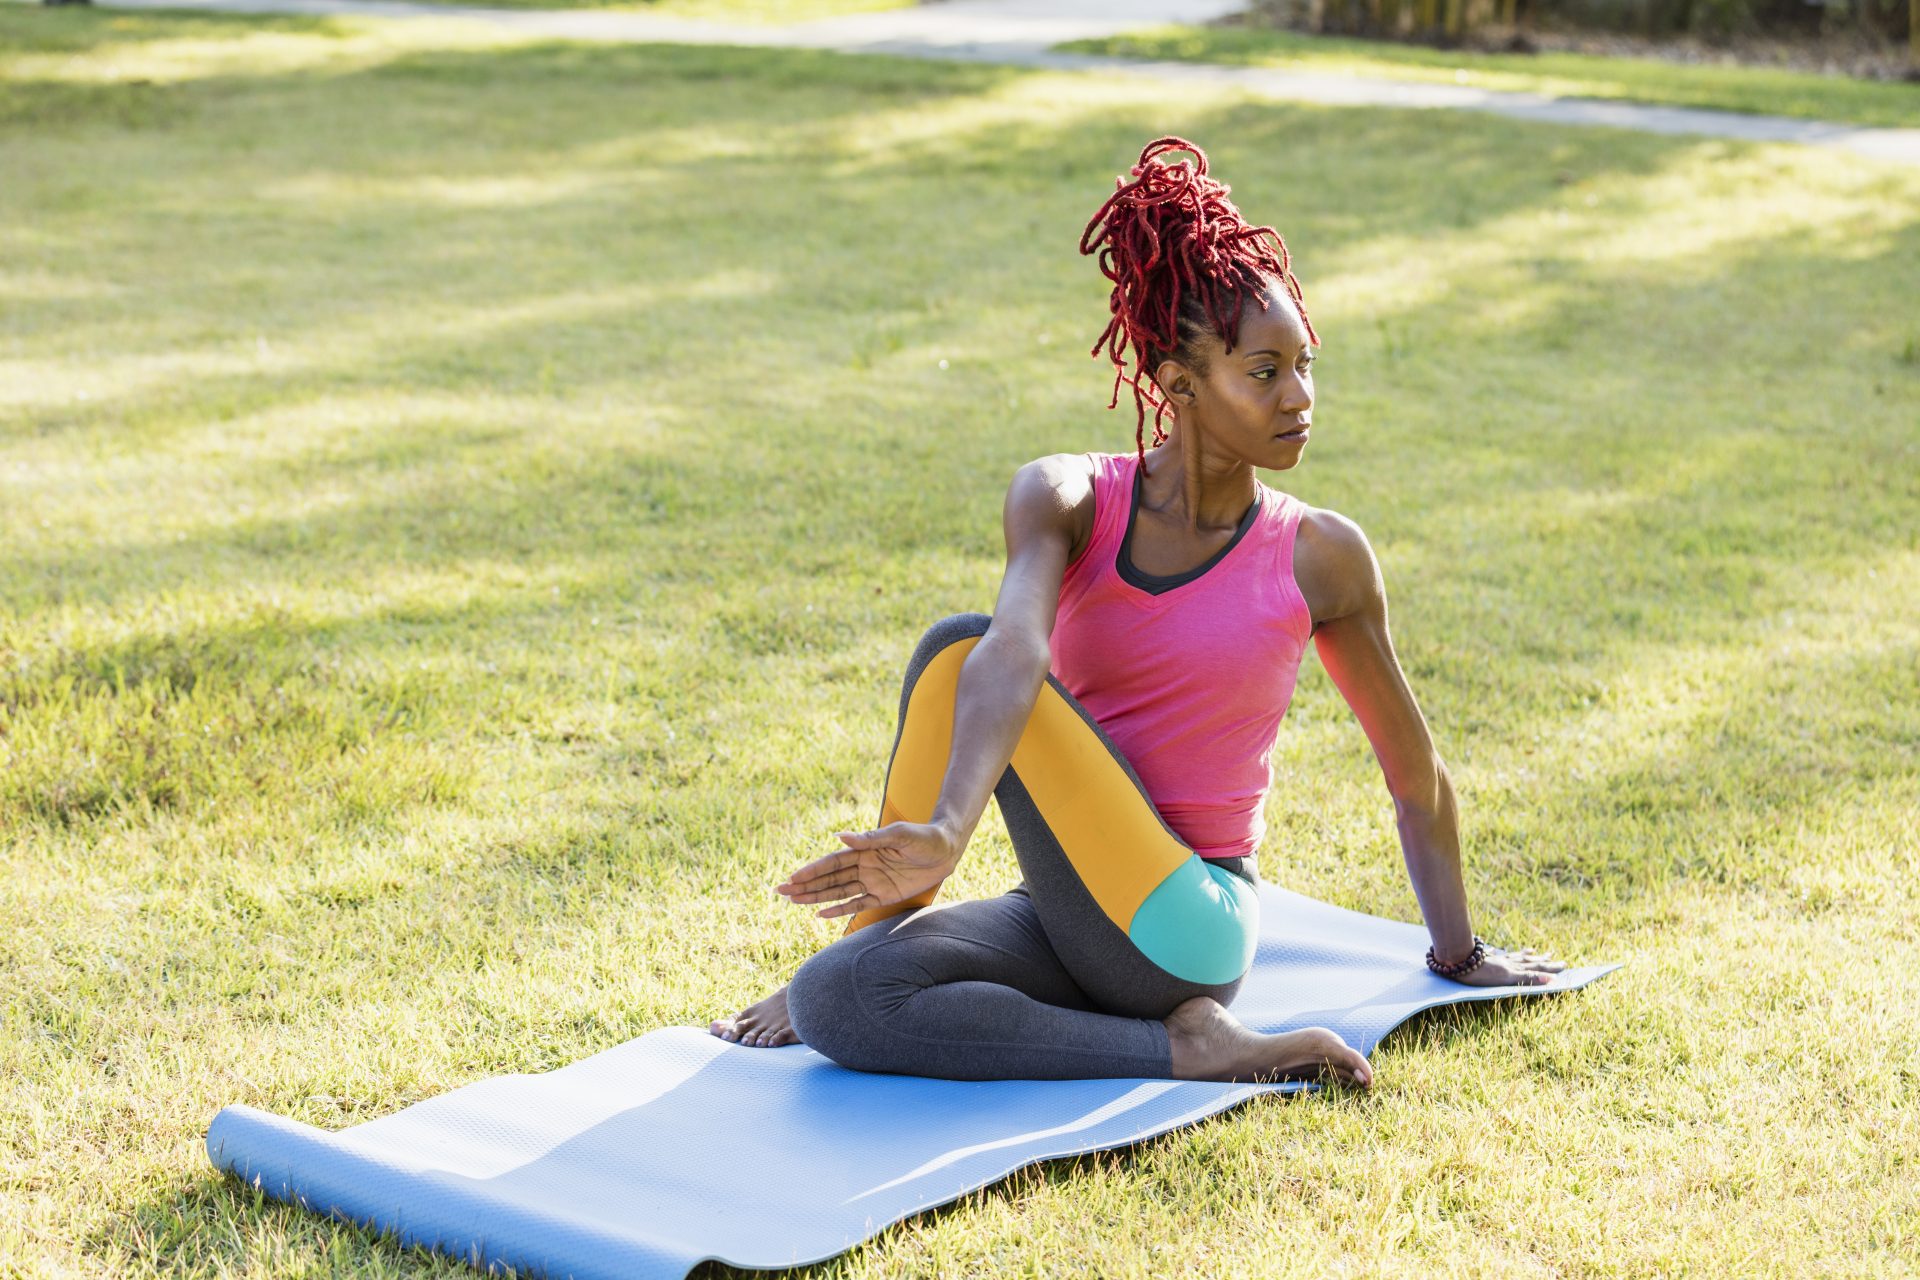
(1067,975)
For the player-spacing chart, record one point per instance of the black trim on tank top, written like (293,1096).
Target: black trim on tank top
(1157,584)
(1242,866)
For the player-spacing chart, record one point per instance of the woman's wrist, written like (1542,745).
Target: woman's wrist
(957,834)
(1459,968)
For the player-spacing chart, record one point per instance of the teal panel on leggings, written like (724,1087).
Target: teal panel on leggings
(1201,923)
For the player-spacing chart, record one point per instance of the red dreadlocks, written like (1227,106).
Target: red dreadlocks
(1171,241)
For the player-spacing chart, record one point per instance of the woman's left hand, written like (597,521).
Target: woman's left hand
(1523,968)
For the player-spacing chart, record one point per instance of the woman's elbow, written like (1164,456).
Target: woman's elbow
(1429,791)
(1021,656)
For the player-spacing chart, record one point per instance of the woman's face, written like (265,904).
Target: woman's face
(1255,401)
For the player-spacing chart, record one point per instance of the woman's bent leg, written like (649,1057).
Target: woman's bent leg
(1068,976)
(970,992)
(1139,920)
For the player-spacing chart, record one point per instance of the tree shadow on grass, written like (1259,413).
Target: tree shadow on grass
(457,490)
(79,30)
(423,197)
(56,105)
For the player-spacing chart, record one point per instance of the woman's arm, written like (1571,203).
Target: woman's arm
(994,696)
(1001,679)
(1341,580)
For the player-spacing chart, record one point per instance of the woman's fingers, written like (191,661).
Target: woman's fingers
(848,907)
(1511,975)
(823,873)
(826,895)
(878,867)
(837,884)
(826,864)
(1507,973)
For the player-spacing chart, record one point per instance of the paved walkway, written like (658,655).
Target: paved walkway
(1020,32)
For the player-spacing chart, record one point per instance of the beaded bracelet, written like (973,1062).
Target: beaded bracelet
(1459,968)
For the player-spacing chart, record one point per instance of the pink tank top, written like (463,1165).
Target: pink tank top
(1190,684)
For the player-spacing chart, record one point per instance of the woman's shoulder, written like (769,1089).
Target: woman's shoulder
(1334,538)
(1057,490)
(1067,478)
(1333,563)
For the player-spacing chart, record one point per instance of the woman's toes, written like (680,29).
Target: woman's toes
(1342,1059)
(752,1030)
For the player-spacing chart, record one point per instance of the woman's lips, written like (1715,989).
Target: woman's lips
(1298,433)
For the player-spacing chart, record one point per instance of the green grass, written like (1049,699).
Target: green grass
(714,10)
(751,11)
(467,504)
(1765,90)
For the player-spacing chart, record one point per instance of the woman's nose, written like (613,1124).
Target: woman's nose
(1299,395)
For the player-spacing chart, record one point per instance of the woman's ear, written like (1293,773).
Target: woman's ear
(1175,381)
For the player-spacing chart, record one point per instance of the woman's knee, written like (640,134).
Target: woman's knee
(947,631)
(817,999)
(841,1000)
(829,1009)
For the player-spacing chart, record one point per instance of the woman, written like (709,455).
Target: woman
(1121,704)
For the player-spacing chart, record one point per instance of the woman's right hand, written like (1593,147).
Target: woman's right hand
(877,868)
(1523,968)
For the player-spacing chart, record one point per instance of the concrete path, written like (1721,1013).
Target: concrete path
(1020,32)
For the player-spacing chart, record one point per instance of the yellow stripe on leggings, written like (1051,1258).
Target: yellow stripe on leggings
(919,764)
(1110,832)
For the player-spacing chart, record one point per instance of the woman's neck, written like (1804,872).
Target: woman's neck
(1201,490)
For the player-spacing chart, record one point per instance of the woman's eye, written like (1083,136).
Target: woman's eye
(1264,374)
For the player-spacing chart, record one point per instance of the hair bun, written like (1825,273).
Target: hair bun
(1169,234)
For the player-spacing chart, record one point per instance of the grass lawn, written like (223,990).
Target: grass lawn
(716,10)
(467,503)
(1563,75)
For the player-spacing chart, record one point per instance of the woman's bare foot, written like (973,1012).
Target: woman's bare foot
(763,1026)
(1211,1044)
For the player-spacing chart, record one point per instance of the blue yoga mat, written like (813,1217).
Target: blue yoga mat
(653,1156)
